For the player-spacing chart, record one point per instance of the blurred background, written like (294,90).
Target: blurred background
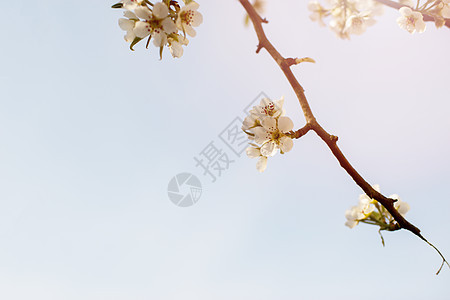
(91,134)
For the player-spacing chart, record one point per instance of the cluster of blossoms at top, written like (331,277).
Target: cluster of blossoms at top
(166,22)
(354,16)
(347,16)
(268,130)
(412,12)
(369,211)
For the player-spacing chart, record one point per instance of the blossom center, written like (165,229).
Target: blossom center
(187,17)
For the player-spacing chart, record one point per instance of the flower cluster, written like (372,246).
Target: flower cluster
(347,16)
(166,22)
(268,130)
(412,12)
(369,211)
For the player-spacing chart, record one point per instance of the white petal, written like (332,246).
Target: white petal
(191,6)
(159,39)
(143,13)
(403,207)
(405,11)
(128,14)
(160,10)
(142,29)
(261,135)
(286,144)
(176,49)
(269,149)
(351,224)
(197,19)
(252,152)
(376,187)
(169,26)
(126,24)
(190,31)
(269,123)
(261,165)
(285,124)
(130,36)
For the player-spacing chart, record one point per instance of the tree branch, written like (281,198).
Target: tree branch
(397,5)
(312,124)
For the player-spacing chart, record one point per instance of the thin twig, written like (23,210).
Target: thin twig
(312,124)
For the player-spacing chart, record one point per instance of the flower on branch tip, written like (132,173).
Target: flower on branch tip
(268,129)
(365,212)
(410,20)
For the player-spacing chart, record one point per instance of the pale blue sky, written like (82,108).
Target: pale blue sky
(91,134)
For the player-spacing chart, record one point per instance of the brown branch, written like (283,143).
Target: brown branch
(396,5)
(312,124)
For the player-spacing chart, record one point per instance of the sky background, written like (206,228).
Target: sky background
(91,134)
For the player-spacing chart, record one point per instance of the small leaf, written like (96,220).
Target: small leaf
(161,52)
(117,5)
(135,41)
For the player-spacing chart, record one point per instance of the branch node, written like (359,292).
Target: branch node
(290,61)
(334,138)
(259,47)
(264,20)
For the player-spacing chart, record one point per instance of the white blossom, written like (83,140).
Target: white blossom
(271,135)
(358,23)
(128,25)
(444,7)
(365,211)
(318,12)
(411,21)
(400,205)
(348,17)
(175,45)
(189,17)
(158,22)
(269,130)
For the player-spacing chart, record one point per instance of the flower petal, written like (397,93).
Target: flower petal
(261,165)
(142,29)
(160,10)
(143,12)
(285,124)
(126,24)
(269,149)
(197,19)
(286,144)
(261,135)
(169,26)
(269,123)
(252,152)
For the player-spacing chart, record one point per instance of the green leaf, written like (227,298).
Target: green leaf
(135,41)
(161,52)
